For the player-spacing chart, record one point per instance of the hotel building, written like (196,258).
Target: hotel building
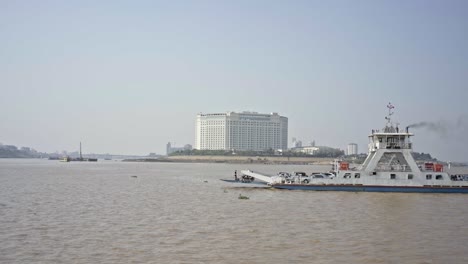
(352,149)
(241,131)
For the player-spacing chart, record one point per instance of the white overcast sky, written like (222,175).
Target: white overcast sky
(126,77)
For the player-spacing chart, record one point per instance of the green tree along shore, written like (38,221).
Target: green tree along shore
(322,153)
(270,157)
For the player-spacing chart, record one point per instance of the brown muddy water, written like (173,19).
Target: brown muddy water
(53,212)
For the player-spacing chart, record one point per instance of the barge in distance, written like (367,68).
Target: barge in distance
(389,167)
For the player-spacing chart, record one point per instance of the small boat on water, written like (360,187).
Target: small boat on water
(242,179)
(389,167)
(65,159)
(80,158)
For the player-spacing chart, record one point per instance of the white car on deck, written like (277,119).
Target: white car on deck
(300,177)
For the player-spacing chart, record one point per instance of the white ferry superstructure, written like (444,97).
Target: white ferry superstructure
(389,167)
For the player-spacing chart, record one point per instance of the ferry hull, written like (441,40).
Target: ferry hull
(361,188)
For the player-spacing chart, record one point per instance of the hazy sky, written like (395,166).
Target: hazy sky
(126,77)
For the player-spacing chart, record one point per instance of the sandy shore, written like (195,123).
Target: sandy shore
(245,159)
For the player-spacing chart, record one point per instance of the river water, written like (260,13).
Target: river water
(78,212)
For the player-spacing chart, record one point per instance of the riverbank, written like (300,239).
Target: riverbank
(240,160)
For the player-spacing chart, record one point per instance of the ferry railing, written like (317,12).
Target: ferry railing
(397,168)
(394,146)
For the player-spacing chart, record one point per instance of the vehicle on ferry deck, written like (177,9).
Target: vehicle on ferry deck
(300,177)
(320,176)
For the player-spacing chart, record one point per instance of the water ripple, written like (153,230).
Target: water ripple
(53,212)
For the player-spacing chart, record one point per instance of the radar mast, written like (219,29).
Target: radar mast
(390,113)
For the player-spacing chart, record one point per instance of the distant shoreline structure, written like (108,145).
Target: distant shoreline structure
(239,160)
(250,160)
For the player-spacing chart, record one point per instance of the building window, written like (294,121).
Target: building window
(393,176)
(357,175)
(410,176)
(439,177)
(429,177)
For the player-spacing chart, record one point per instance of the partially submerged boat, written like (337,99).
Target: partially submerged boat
(389,167)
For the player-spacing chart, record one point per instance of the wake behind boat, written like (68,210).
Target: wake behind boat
(389,167)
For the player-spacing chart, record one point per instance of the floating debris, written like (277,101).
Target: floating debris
(205,181)
(243,197)
(134,176)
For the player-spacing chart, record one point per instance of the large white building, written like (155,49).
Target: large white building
(241,131)
(352,149)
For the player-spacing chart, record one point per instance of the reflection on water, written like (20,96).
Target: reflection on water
(52,212)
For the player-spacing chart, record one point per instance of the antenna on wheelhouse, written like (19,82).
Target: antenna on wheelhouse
(389,127)
(390,113)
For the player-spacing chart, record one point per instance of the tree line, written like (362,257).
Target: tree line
(325,152)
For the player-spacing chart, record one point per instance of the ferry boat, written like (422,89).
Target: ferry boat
(389,167)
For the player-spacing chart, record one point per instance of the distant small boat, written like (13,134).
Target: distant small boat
(80,158)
